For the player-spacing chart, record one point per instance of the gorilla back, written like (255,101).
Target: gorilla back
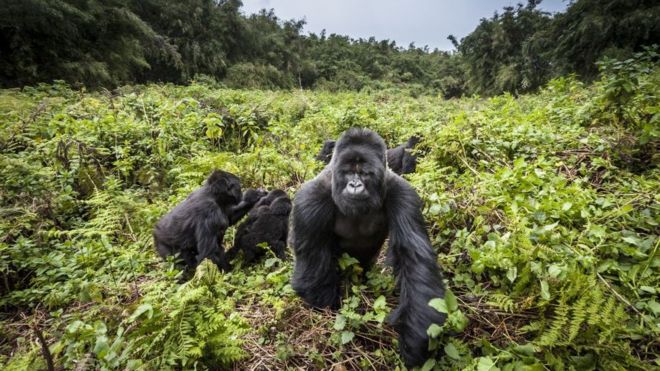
(352,206)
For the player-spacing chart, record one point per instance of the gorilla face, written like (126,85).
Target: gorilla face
(358,172)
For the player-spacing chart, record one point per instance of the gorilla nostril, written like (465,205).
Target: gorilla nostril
(354,187)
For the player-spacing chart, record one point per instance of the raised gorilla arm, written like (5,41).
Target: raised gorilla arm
(249,199)
(416,269)
(315,276)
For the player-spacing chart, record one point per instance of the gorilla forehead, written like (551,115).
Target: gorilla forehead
(360,143)
(361,156)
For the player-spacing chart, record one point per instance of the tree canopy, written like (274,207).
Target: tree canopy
(109,43)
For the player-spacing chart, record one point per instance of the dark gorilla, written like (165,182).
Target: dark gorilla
(400,159)
(195,227)
(326,152)
(267,222)
(352,206)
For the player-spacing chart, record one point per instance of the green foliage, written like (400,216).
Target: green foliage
(627,96)
(590,30)
(547,233)
(97,43)
(521,48)
(190,325)
(500,54)
(110,43)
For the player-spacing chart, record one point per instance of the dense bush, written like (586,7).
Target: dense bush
(544,210)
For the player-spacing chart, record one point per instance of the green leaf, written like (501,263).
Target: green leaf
(554,270)
(461,321)
(654,307)
(512,273)
(526,349)
(346,337)
(549,227)
(452,352)
(270,262)
(435,209)
(144,308)
(434,330)
(545,290)
(486,364)
(75,326)
(648,289)
(450,300)
(428,365)
(101,347)
(340,322)
(632,240)
(380,303)
(439,304)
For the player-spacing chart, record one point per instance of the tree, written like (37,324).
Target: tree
(92,42)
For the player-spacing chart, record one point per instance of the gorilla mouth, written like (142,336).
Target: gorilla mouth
(356,195)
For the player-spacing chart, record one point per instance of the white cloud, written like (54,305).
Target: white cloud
(425,22)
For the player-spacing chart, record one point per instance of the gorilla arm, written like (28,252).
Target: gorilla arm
(250,198)
(206,237)
(315,275)
(415,266)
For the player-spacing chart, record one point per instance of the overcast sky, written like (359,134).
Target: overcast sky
(426,22)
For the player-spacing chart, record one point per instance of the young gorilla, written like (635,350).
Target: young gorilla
(399,158)
(325,155)
(267,222)
(352,206)
(195,227)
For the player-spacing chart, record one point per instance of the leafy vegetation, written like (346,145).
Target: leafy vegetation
(544,209)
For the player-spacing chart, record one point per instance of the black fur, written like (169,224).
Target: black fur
(326,152)
(399,159)
(352,206)
(195,227)
(267,222)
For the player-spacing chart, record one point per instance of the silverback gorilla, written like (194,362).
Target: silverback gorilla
(267,222)
(352,206)
(195,227)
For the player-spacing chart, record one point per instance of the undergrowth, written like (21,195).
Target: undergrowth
(543,209)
